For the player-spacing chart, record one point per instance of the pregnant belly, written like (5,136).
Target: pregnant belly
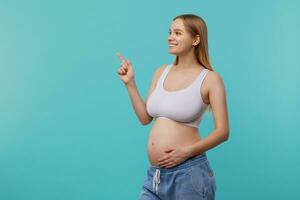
(166,134)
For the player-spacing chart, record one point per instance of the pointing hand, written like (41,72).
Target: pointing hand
(125,71)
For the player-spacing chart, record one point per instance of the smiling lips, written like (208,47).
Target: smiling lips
(172,45)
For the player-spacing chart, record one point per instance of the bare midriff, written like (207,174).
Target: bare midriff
(166,133)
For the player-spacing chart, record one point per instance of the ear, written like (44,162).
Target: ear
(197,40)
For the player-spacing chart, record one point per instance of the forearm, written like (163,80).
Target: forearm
(215,138)
(137,102)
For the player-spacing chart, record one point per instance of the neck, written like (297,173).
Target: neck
(187,61)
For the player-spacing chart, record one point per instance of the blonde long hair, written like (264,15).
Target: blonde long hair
(195,25)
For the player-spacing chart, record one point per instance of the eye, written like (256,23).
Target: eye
(176,32)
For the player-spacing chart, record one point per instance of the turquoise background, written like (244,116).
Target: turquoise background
(67,127)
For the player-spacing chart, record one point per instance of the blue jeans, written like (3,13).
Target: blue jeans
(192,179)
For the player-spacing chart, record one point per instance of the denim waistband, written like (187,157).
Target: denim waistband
(187,163)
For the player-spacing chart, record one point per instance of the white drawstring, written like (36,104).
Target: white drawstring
(156,180)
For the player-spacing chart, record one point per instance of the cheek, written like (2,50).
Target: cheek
(184,41)
(185,44)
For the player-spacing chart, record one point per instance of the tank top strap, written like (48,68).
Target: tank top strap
(200,78)
(163,75)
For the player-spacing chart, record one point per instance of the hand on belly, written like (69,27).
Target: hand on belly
(168,143)
(173,157)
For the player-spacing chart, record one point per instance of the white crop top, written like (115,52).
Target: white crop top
(184,105)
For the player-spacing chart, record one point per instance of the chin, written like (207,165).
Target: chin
(172,52)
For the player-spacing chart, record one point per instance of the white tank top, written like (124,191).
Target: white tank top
(184,105)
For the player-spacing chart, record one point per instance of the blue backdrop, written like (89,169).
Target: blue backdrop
(67,128)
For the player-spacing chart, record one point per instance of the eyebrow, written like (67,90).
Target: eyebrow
(177,29)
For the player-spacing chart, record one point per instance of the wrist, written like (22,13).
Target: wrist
(189,151)
(130,83)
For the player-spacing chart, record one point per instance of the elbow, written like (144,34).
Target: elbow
(226,135)
(223,133)
(146,121)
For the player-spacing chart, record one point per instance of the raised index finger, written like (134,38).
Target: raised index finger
(121,57)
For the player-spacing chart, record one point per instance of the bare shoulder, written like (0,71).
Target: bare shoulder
(214,79)
(158,71)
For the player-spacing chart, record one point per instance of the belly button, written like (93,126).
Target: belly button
(152,143)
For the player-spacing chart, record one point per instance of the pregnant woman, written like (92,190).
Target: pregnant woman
(178,96)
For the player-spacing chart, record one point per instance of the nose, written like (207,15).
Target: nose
(170,37)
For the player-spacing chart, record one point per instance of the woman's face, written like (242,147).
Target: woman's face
(179,40)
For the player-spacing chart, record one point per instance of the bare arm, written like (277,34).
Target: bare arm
(137,102)
(217,99)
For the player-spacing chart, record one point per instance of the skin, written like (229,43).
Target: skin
(171,143)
